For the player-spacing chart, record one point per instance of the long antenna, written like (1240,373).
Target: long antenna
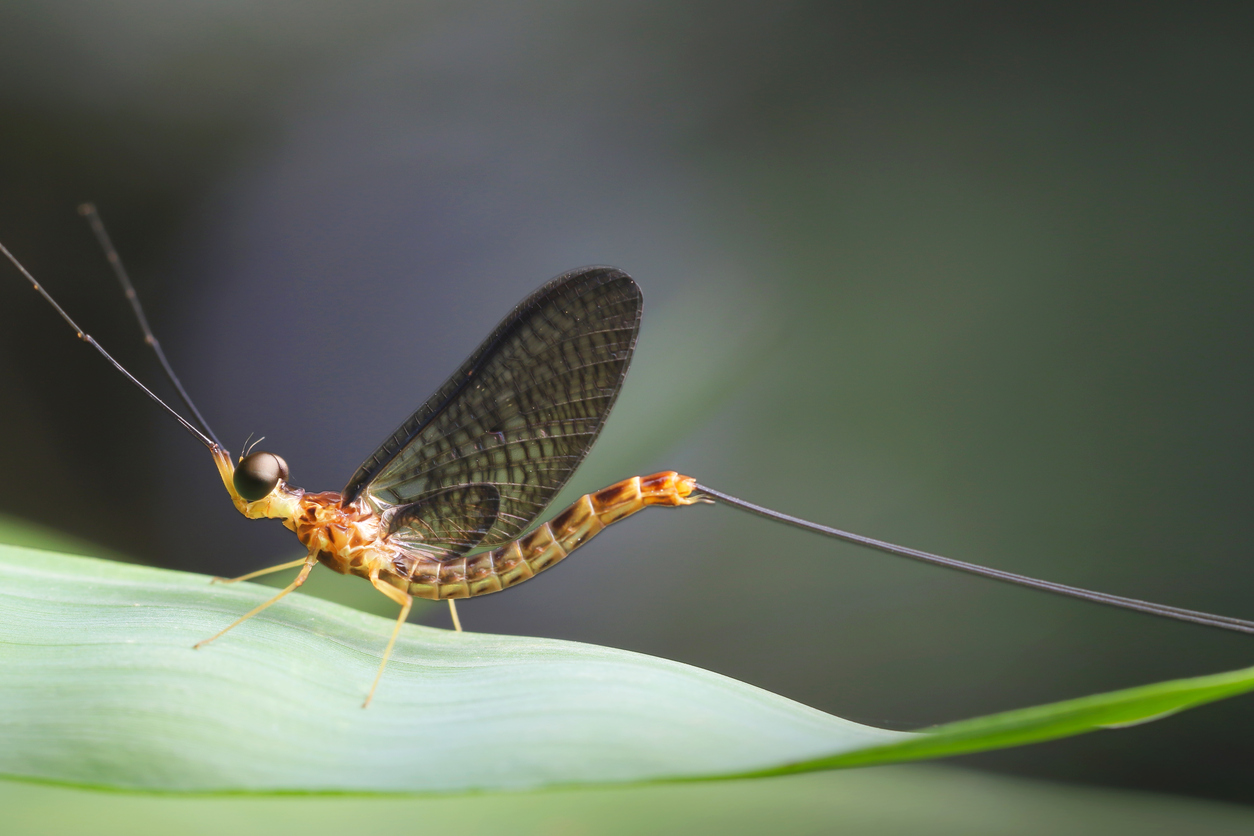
(88,211)
(1222,622)
(90,340)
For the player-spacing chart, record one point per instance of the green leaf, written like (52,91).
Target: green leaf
(99,686)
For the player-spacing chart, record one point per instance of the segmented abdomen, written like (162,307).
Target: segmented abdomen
(526,557)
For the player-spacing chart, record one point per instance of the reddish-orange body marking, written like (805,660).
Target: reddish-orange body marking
(350,539)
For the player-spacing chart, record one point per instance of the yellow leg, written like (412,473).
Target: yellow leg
(309,562)
(406,602)
(292,565)
(452,610)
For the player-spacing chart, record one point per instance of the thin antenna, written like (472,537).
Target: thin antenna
(1222,622)
(88,211)
(90,340)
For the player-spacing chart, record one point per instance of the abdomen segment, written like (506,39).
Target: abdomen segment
(528,556)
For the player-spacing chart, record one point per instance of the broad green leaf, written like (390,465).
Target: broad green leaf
(99,686)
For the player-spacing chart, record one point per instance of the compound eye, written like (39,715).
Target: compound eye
(257,474)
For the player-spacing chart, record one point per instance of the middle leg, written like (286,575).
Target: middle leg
(406,601)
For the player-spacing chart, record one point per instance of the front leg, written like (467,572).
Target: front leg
(291,565)
(310,562)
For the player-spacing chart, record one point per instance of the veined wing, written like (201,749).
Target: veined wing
(518,416)
(453,520)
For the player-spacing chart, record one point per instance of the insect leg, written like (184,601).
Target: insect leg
(310,562)
(260,572)
(452,610)
(406,602)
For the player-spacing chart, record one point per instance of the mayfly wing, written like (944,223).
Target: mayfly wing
(519,415)
(454,520)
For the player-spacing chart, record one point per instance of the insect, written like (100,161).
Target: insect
(444,508)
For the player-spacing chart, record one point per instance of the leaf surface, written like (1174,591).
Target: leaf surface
(100,686)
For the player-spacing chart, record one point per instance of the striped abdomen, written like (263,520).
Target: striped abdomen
(526,557)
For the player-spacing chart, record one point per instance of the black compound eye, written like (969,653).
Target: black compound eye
(257,474)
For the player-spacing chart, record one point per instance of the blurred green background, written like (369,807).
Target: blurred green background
(892,801)
(969,277)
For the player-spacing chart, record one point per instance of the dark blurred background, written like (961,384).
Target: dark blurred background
(972,277)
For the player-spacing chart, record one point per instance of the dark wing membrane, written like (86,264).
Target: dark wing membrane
(522,411)
(448,522)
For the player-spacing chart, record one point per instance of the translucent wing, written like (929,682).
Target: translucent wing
(451,521)
(519,415)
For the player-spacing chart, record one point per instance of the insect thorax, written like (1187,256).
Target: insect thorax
(347,539)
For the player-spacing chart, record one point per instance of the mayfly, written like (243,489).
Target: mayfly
(444,508)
